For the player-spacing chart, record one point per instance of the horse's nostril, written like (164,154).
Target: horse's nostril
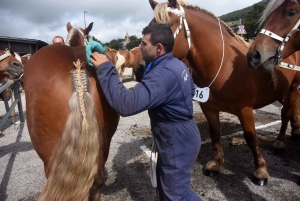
(16,64)
(254,57)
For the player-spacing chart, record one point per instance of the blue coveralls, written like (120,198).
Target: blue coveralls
(166,91)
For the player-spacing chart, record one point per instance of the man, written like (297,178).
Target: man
(166,91)
(58,40)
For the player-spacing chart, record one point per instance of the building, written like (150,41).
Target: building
(21,46)
(126,41)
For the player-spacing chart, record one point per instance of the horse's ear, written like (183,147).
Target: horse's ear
(153,4)
(173,3)
(11,52)
(88,29)
(69,26)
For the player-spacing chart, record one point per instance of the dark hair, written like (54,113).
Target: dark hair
(160,33)
(58,37)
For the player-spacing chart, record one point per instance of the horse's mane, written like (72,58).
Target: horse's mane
(27,55)
(273,4)
(161,16)
(71,34)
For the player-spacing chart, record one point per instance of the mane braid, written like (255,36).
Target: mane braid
(161,16)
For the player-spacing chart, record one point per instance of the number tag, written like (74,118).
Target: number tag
(201,94)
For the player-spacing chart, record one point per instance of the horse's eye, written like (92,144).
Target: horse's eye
(291,13)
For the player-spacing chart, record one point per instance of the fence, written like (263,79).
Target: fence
(17,101)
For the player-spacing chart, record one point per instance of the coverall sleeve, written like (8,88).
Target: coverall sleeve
(147,94)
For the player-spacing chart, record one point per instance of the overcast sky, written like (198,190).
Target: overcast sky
(44,19)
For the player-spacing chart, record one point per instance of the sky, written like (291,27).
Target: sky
(44,19)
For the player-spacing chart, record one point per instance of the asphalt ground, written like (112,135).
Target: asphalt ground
(127,169)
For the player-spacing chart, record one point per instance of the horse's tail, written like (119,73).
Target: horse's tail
(74,162)
(120,61)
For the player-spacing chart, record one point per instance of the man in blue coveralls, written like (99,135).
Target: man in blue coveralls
(166,91)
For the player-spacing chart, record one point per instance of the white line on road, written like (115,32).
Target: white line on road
(148,151)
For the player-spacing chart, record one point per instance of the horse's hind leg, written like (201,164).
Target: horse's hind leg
(216,163)
(295,120)
(290,111)
(247,120)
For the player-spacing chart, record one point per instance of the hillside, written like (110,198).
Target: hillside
(235,16)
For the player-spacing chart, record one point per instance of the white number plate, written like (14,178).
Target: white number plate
(201,94)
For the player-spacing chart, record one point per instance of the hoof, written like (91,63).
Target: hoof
(277,151)
(210,173)
(295,137)
(259,182)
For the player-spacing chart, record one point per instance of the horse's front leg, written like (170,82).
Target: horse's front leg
(260,175)
(216,163)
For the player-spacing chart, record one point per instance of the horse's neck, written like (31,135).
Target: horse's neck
(207,52)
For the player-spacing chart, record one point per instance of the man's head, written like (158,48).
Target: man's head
(157,40)
(58,40)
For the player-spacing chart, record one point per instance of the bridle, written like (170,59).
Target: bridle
(181,14)
(85,37)
(281,46)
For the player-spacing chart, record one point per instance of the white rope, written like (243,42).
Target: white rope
(222,54)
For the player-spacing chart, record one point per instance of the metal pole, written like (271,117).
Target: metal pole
(84,18)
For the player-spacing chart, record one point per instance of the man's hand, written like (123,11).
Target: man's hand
(98,59)
(91,47)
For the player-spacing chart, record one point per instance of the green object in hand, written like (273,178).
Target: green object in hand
(91,47)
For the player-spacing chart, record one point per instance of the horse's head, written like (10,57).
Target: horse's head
(10,67)
(78,36)
(279,37)
(172,12)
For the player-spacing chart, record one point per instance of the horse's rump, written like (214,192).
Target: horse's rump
(71,159)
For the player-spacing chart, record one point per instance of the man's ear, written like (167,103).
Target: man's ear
(160,47)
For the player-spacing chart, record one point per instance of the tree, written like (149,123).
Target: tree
(116,44)
(134,42)
(251,21)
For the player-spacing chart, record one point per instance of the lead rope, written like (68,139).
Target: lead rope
(222,54)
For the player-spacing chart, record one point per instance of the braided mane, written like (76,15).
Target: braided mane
(161,16)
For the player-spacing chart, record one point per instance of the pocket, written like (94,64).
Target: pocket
(165,135)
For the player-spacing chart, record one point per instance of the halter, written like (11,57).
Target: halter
(85,37)
(181,14)
(5,55)
(281,47)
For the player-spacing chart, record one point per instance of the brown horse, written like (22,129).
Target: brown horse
(279,37)
(218,59)
(10,67)
(111,55)
(131,59)
(69,119)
